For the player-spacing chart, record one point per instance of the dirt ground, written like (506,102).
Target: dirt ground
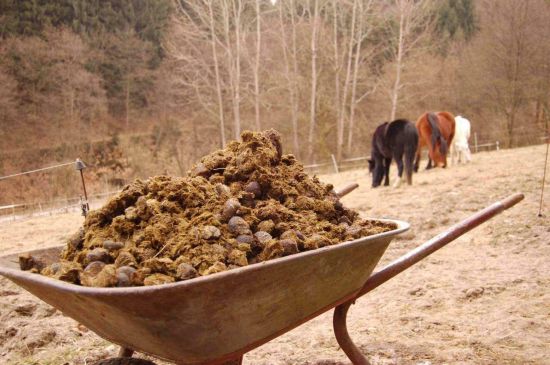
(484,299)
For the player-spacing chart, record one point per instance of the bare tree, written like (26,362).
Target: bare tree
(505,55)
(353,102)
(257,66)
(291,75)
(313,96)
(232,15)
(337,69)
(213,42)
(413,25)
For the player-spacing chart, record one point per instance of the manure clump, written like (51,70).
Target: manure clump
(238,206)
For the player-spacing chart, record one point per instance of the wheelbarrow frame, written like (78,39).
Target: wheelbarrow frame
(380,277)
(342,306)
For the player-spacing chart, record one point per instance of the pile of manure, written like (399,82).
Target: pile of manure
(238,206)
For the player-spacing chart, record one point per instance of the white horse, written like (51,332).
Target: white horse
(459,147)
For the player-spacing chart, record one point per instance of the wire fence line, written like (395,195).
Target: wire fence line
(334,166)
(37,170)
(15,212)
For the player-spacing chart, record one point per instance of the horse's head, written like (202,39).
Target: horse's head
(371,165)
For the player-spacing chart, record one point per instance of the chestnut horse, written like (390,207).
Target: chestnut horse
(436,130)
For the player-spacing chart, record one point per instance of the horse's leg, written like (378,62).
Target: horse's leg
(417,158)
(399,162)
(387,162)
(454,151)
(377,172)
(409,161)
(431,155)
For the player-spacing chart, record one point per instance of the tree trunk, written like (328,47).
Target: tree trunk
(399,60)
(337,80)
(294,79)
(257,67)
(232,67)
(313,101)
(340,127)
(217,73)
(237,8)
(290,77)
(353,103)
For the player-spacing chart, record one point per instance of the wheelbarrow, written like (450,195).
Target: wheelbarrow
(216,319)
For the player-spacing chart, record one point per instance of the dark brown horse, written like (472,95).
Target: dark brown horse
(436,130)
(397,140)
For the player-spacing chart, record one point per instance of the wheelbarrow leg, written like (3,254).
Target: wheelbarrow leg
(237,361)
(125,352)
(342,335)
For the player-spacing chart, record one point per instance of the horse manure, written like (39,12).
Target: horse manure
(238,206)
(289,246)
(157,279)
(110,245)
(97,254)
(29,262)
(238,225)
(185,271)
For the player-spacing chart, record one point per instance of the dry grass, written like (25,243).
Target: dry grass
(484,299)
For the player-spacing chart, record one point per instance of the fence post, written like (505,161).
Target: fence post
(475,141)
(498,146)
(334,163)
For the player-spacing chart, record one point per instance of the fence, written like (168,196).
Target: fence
(333,166)
(14,212)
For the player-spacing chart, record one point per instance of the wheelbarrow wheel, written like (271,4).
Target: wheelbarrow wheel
(124,361)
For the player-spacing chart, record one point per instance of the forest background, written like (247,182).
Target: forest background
(144,87)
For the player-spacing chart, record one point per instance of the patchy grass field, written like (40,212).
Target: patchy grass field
(484,299)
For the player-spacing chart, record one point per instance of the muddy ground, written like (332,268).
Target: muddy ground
(484,299)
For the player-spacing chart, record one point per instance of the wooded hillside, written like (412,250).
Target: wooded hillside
(162,82)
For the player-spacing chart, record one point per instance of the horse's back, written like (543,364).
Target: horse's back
(447,125)
(422,120)
(447,121)
(379,145)
(397,127)
(401,131)
(423,127)
(462,130)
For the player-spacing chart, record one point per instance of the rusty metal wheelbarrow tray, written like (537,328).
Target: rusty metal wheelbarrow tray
(218,317)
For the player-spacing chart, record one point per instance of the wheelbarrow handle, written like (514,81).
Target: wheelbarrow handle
(404,262)
(346,189)
(437,242)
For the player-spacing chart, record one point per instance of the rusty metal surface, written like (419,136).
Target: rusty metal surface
(215,318)
(124,361)
(345,190)
(339,322)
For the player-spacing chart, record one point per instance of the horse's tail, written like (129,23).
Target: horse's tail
(411,147)
(443,146)
(436,134)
